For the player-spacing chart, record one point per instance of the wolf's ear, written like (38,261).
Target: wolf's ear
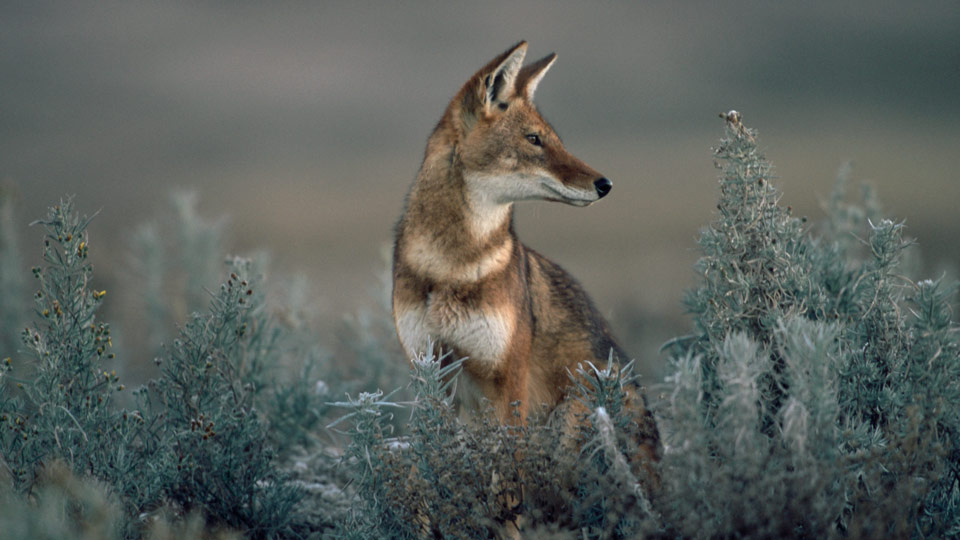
(490,88)
(530,76)
(500,75)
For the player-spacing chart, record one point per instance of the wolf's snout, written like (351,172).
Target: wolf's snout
(603,186)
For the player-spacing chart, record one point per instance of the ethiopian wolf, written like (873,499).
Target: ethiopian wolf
(461,278)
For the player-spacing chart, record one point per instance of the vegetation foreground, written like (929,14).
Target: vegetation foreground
(815,396)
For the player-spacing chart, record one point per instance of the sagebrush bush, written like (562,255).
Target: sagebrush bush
(62,410)
(217,455)
(176,261)
(196,441)
(838,436)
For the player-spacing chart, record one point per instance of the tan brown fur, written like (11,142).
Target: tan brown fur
(461,277)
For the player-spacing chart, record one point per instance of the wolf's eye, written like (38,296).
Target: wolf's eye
(534,139)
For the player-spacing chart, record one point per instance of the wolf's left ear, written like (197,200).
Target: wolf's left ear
(490,88)
(499,82)
(529,77)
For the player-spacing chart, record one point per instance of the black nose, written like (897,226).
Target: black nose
(603,186)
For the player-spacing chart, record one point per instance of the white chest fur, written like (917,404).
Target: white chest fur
(480,333)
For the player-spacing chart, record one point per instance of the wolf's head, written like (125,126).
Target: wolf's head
(508,152)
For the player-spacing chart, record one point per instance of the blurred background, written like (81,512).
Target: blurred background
(304,123)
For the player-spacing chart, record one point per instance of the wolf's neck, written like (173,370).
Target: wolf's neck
(483,214)
(452,234)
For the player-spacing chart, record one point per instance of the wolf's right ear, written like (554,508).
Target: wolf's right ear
(498,83)
(493,85)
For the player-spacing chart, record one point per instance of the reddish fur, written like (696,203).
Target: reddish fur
(458,282)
